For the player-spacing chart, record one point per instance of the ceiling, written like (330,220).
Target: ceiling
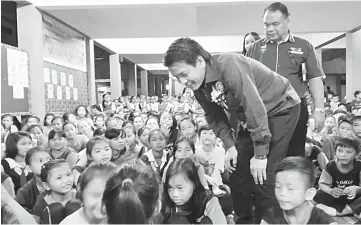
(141,30)
(207,19)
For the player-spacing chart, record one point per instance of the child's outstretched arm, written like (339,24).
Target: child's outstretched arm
(202,177)
(20,213)
(325,182)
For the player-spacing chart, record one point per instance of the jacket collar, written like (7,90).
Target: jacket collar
(289,38)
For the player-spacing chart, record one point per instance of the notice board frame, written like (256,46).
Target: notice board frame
(9,105)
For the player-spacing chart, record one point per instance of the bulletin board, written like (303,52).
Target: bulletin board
(15,81)
(65,88)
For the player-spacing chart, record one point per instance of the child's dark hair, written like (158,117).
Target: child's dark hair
(104,170)
(187,118)
(66,116)
(86,110)
(97,107)
(56,132)
(14,119)
(46,117)
(57,118)
(184,139)
(343,120)
(47,167)
(131,195)
(32,152)
(12,140)
(204,128)
(25,121)
(349,142)
(155,131)
(141,131)
(355,119)
(33,126)
(340,111)
(99,132)
(92,142)
(299,164)
(114,133)
(183,166)
(356,93)
(126,123)
(67,123)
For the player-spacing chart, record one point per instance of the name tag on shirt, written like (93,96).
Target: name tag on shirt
(297,51)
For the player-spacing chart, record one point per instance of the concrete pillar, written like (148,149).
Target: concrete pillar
(144,82)
(115,76)
(170,85)
(158,85)
(132,81)
(91,72)
(30,39)
(151,84)
(353,65)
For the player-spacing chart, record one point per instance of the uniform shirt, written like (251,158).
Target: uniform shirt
(213,162)
(253,93)
(275,216)
(332,177)
(286,58)
(27,195)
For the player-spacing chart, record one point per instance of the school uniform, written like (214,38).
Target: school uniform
(270,107)
(208,211)
(27,195)
(19,175)
(148,158)
(275,215)
(333,177)
(286,59)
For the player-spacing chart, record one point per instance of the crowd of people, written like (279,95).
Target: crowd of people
(244,132)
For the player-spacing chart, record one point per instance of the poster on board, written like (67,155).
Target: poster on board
(17,68)
(63,46)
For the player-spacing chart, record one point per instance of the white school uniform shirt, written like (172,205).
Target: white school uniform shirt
(152,161)
(16,167)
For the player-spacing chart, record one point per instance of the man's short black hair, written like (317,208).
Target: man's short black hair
(278,6)
(185,50)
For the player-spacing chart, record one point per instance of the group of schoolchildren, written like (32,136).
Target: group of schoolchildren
(140,160)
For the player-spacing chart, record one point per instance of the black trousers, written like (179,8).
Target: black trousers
(298,140)
(242,183)
(339,203)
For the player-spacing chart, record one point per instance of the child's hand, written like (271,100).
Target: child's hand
(350,192)
(336,192)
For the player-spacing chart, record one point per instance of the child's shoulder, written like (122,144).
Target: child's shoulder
(318,216)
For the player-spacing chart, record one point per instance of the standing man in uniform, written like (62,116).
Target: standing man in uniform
(256,95)
(295,59)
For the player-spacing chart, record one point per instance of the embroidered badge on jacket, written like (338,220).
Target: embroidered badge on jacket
(218,95)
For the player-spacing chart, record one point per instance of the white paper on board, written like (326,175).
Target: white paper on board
(46,75)
(59,92)
(50,91)
(17,63)
(54,77)
(75,94)
(18,92)
(63,79)
(67,93)
(71,81)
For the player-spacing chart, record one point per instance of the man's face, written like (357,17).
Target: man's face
(188,75)
(275,25)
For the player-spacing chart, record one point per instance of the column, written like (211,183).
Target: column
(151,84)
(91,72)
(158,85)
(353,65)
(144,82)
(30,38)
(132,80)
(115,76)
(170,85)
